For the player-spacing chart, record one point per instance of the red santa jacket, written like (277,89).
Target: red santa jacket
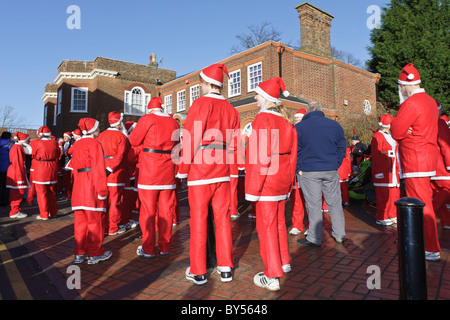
(158,134)
(418,150)
(443,166)
(16,176)
(209,137)
(45,161)
(116,147)
(385,168)
(90,188)
(271,158)
(345,169)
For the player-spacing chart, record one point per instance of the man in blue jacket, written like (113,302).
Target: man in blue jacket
(5,145)
(321,149)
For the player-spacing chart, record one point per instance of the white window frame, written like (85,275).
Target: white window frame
(194,94)
(86,90)
(250,76)
(168,104)
(59,102)
(128,100)
(181,100)
(233,92)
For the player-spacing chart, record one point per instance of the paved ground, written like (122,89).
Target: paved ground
(330,272)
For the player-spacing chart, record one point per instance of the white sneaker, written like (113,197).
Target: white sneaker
(394,220)
(251,216)
(235,216)
(19,215)
(386,222)
(272,284)
(38,217)
(198,279)
(295,231)
(97,259)
(225,274)
(140,252)
(119,231)
(432,256)
(286,268)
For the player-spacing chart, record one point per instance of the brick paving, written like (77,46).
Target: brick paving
(330,272)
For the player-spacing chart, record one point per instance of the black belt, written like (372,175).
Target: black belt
(213,146)
(84,170)
(158,151)
(46,160)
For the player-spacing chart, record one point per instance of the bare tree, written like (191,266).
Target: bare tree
(257,35)
(346,57)
(9,118)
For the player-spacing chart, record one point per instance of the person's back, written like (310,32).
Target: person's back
(322,143)
(5,146)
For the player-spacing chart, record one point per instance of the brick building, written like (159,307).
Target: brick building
(95,88)
(309,73)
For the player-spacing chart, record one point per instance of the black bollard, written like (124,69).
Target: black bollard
(411,248)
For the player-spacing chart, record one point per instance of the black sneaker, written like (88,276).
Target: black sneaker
(225,274)
(198,280)
(304,242)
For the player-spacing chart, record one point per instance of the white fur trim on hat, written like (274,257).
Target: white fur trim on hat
(384,125)
(210,80)
(286,93)
(266,96)
(118,122)
(93,128)
(409,82)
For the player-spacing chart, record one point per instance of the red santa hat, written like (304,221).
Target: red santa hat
(22,137)
(130,125)
(409,75)
(155,103)
(88,125)
(300,113)
(44,131)
(76,133)
(214,74)
(385,120)
(115,118)
(270,89)
(445,118)
(68,134)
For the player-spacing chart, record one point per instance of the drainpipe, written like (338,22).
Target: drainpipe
(280,51)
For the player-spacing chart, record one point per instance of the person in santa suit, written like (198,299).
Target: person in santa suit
(415,128)
(130,190)
(44,172)
(385,170)
(297,200)
(440,183)
(89,199)
(345,170)
(16,176)
(116,146)
(156,132)
(270,174)
(211,129)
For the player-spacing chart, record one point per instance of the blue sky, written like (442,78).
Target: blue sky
(188,35)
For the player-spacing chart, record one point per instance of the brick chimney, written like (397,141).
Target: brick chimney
(315,27)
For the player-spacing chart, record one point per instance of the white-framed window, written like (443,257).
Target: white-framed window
(234,84)
(195,93)
(136,101)
(181,100)
(79,99)
(58,112)
(254,74)
(247,129)
(367,107)
(168,104)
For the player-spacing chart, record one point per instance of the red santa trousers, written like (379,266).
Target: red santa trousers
(115,208)
(272,234)
(420,188)
(234,195)
(68,180)
(441,196)
(386,196)
(15,199)
(156,205)
(297,207)
(218,194)
(344,191)
(31,193)
(46,199)
(89,232)
(176,217)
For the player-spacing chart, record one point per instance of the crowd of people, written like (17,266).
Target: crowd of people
(138,167)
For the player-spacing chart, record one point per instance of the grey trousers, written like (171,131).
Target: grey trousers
(314,184)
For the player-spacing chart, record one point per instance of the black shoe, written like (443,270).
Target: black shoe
(225,274)
(198,279)
(304,242)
